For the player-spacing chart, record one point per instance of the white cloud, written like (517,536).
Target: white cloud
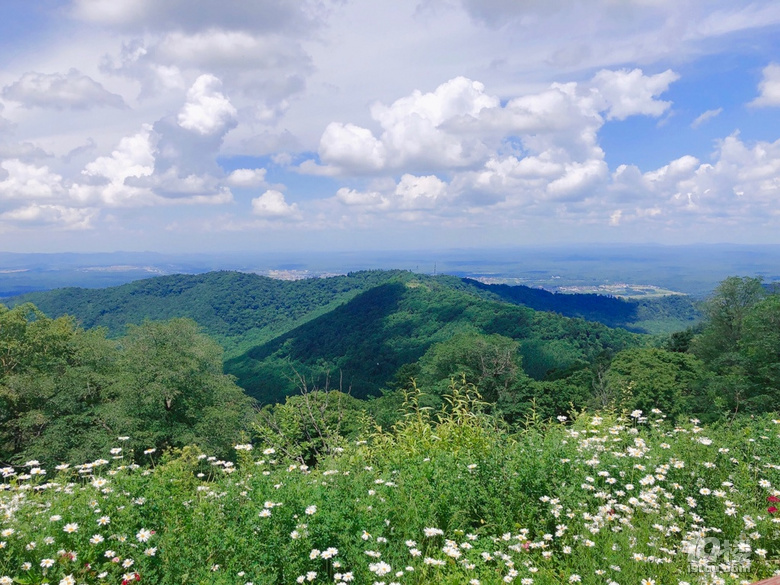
(608,33)
(769,88)
(631,93)
(70,218)
(147,169)
(534,155)
(263,71)
(215,49)
(207,110)
(111,11)
(411,193)
(486,136)
(247,178)
(351,146)
(106,176)
(133,157)
(418,131)
(361,198)
(420,192)
(460,126)
(174,186)
(271,205)
(26,181)
(5,124)
(741,184)
(706,117)
(578,178)
(415,128)
(73,90)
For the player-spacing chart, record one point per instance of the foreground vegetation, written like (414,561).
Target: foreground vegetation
(67,392)
(451,499)
(544,450)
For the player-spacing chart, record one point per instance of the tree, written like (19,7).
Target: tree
(760,348)
(491,363)
(34,353)
(650,378)
(311,425)
(173,391)
(725,311)
(29,340)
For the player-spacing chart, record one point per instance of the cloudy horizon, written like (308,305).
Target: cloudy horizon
(326,124)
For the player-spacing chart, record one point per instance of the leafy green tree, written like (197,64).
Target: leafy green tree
(680,341)
(73,414)
(491,363)
(29,340)
(725,311)
(173,391)
(34,353)
(760,348)
(648,378)
(313,424)
(731,347)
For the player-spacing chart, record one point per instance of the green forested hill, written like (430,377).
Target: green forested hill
(238,309)
(360,328)
(242,310)
(361,344)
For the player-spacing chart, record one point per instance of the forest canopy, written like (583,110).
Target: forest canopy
(67,392)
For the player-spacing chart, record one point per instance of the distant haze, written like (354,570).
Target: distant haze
(692,270)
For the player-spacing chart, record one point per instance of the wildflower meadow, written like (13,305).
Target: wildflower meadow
(456,498)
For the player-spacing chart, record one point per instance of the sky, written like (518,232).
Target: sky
(295,125)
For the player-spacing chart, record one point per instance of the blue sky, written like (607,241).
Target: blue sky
(197,125)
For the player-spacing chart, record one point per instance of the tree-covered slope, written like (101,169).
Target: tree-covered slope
(362,343)
(239,309)
(653,315)
(242,310)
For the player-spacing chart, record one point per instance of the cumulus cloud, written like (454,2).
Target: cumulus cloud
(256,48)
(247,178)
(419,132)
(540,157)
(706,117)
(461,128)
(207,110)
(58,91)
(170,162)
(272,205)
(741,184)
(415,132)
(60,216)
(26,181)
(412,193)
(419,192)
(631,93)
(263,70)
(353,147)
(353,197)
(105,177)
(769,87)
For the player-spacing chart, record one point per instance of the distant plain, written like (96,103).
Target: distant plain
(608,269)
